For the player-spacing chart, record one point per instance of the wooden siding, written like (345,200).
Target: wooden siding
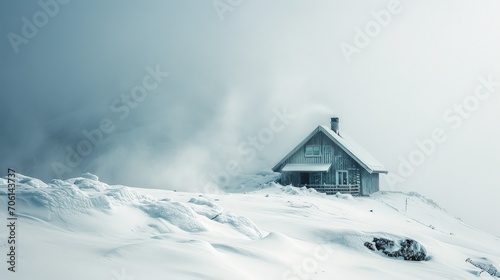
(369,182)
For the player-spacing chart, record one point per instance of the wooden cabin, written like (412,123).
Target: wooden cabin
(329,162)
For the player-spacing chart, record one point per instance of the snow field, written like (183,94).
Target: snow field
(82,228)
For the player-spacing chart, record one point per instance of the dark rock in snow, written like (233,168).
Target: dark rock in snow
(411,250)
(369,246)
(383,244)
(408,249)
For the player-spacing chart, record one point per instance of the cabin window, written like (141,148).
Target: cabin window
(316,178)
(312,151)
(342,177)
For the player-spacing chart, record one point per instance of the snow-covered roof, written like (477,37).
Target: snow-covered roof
(307,167)
(360,155)
(364,158)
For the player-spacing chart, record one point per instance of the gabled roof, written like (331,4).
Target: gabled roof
(367,161)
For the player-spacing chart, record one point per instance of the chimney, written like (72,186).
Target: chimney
(335,125)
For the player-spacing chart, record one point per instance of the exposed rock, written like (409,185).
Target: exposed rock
(408,249)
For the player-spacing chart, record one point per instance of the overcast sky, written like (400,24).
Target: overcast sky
(218,72)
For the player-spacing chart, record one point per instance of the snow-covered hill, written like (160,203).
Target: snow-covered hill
(85,229)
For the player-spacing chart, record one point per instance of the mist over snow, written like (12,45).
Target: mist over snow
(212,84)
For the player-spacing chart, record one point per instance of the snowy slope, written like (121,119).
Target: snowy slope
(85,229)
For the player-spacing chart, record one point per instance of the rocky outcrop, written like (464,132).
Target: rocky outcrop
(407,249)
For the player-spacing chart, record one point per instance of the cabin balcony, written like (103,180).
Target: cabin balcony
(352,189)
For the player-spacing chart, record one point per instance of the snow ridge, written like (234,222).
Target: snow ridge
(86,194)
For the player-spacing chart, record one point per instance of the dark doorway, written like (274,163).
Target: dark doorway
(304,178)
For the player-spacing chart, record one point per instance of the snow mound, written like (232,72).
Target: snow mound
(84,195)
(85,183)
(289,189)
(214,211)
(242,224)
(78,195)
(22,181)
(176,213)
(64,199)
(205,207)
(344,196)
(90,176)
